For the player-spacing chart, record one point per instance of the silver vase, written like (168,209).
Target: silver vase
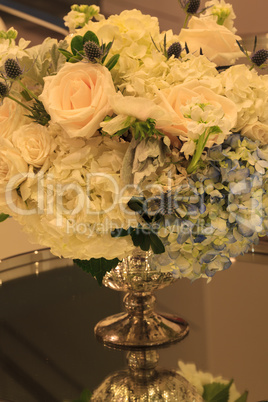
(140,331)
(139,327)
(142,382)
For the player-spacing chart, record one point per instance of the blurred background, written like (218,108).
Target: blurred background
(228,317)
(251,16)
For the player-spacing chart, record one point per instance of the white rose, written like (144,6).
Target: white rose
(194,108)
(11,164)
(13,170)
(77,97)
(218,44)
(34,143)
(11,118)
(135,107)
(256,131)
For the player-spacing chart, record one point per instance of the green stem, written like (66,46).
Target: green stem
(16,100)
(198,152)
(28,90)
(186,20)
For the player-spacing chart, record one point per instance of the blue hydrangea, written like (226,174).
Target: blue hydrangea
(229,215)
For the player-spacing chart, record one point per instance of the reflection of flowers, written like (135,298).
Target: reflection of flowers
(206,384)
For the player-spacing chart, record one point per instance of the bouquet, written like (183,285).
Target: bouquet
(123,136)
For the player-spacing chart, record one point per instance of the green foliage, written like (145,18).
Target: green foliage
(243,397)
(201,143)
(38,113)
(143,237)
(91,36)
(217,392)
(77,50)
(141,130)
(112,62)
(3,217)
(97,267)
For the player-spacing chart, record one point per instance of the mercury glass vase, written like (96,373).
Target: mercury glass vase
(139,327)
(140,331)
(143,382)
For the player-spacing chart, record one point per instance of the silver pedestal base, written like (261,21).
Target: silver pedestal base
(125,331)
(164,385)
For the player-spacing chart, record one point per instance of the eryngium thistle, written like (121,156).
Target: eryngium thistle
(174,50)
(3,90)
(192,6)
(12,69)
(260,57)
(92,51)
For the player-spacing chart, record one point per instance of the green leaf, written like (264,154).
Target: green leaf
(105,50)
(84,397)
(75,59)
(136,204)
(65,53)
(97,267)
(243,397)
(112,62)
(90,36)
(137,237)
(77,44)
(145,243)
(3,217)
(121,232)
(217,392)
(156,244)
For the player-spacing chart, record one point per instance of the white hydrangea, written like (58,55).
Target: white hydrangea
(157,72)
(78,201)
(249,92)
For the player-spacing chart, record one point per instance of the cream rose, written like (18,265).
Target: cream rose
(11,118)
(34,143)
(11,164)
(257,132)
(77,97)
(195,108)
(13,170)
(217,42)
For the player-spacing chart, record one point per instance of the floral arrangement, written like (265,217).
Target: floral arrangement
(123,136)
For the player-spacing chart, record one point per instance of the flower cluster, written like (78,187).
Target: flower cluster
(122,136)
(210,387)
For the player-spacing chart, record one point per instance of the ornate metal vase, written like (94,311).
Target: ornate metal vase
(140,331)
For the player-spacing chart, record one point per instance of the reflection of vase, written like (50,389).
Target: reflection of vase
(140,331)
(143,382)
(140,326)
